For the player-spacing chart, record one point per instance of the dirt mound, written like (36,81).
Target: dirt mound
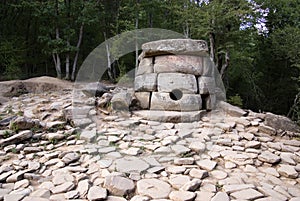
(33,85)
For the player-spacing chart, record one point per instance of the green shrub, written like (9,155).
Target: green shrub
(236,100)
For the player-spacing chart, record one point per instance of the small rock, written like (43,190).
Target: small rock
(220,196)
(118,185)
(269,157)
(182,196)
(288,171)
(153,188)
(72,195)
(70,158)
(247,194)
(62,188)
(97,193)
(200,174)
(83,188)
(13,197)
(206,164)
(191,185)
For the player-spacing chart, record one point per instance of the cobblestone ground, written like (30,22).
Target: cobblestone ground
(126,158)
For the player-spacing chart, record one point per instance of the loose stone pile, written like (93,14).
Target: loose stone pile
(234,155)
(175,75)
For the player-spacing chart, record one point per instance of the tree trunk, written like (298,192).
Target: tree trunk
(57,63)
(67,66)
(226,64)
(136,36)
(212,47)
(109,66)
(77,51)
(56,57)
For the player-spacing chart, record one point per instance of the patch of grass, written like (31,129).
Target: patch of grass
(187,154)
(14,150)
(14,127)
(7,134)
(20,113)
(53,141)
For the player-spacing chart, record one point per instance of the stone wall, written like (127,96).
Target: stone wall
(175,75)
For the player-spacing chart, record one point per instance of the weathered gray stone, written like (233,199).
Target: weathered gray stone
(23,123)
(70,158)
(206,164)
(280,122)
(83,188)
(165,101)
(72,195)
(179,63)
(197,173)
(206,85)
(96,89)
(177,181)
(248,194)
(153,188)
(41,193)
(182,196)
(13,197)
(115,198)
(118,185)
(88,135)
(288,171)
(97,193)
(146,82)
(231,110)
(210,102)
(145,66)
(267,129)
(269,157)
(220,196)
(191,185)
(230,188)
(62,188)
(16,138)
(169,116)
(186,83)
(143,99)
(121,101)
(175,46)
(128,165)
(35,198)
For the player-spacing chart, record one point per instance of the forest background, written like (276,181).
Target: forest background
(255,44)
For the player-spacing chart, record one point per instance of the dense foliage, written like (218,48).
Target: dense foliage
(259,66)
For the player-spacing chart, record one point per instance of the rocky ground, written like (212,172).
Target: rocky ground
(44,156)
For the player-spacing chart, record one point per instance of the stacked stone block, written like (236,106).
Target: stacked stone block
(175,75)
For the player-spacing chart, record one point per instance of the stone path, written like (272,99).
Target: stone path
(127,158)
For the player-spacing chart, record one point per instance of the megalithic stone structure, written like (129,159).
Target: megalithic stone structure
(174,80)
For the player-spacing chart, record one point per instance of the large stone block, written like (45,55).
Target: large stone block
(179,63)
(167,82)
(175,46)
(146,82)
(206,85)
(210,102)
(170,116)
(143,99)
(208,67)
(185,102)
(121,101)
(145,66)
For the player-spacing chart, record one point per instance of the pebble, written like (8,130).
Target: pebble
(97,193)
(182,196)
(153,188)
(117,185)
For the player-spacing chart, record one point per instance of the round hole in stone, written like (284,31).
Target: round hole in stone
(175,94)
